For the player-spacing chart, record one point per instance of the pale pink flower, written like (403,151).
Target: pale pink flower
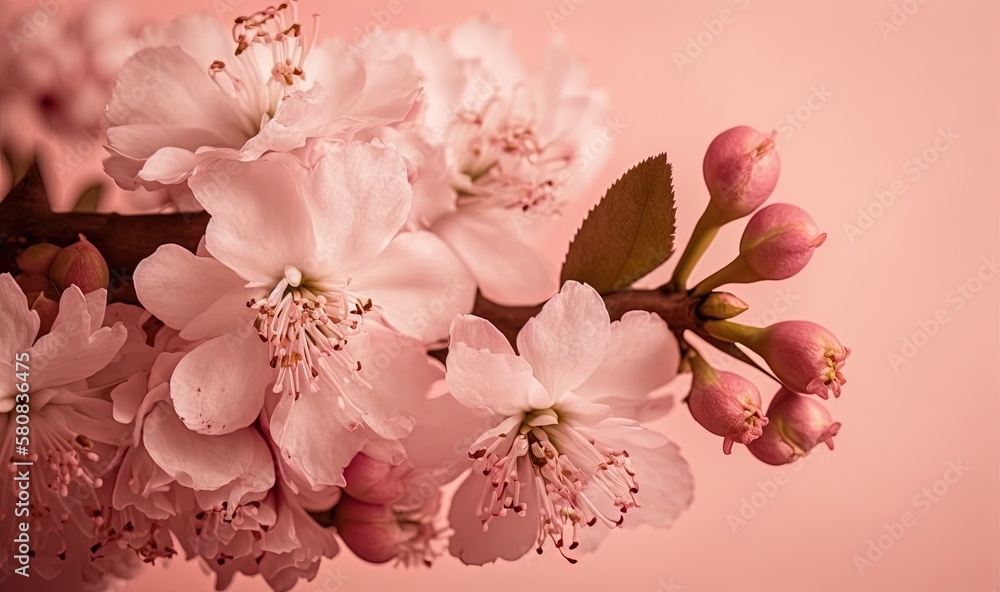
(57,72)
(73,439)
(266,85)
(295,545)
(227,471)
(64,66)
(221,495)
(496,151)
(308,288)
(274,536)
(557,460)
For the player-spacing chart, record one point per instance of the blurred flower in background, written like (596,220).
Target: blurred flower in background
(57,71)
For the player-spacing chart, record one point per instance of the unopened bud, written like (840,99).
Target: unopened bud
(797,424)
(372,531)
(804,356)
(80,264)
(33,284)
(722,305)
(37,259)
(374,481)
(779,241)
(741,169)
(725,404)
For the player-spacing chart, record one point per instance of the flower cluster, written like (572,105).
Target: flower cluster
(325,364)
(741,170)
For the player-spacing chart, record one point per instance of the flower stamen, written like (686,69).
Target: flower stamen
(307,326)
(567,469)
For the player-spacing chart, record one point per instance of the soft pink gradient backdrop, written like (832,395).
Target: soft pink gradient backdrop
(887,100)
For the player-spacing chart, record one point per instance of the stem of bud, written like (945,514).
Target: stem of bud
(734,332)
(703,235)
(737,272)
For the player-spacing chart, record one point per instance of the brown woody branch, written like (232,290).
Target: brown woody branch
(26,219)
(124,241)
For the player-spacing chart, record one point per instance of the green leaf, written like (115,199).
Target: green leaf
(629,233)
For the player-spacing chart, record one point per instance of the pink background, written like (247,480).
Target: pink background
(880,101)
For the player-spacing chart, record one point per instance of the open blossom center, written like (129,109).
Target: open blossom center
(504,161)
(278,32)
(70,471)
(831,376)
(572,475)
(307,326)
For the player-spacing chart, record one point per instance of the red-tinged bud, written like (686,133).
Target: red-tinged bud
(804,356)
(797,425)
(741,169)
(374,481)
(371,531)
(80,264)
(725,404)
(33,284)
(779,241)
(37,259)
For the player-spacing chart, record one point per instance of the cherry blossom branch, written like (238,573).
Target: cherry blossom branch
(124,241)
(679,310)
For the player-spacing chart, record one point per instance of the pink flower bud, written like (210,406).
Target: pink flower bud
(33,284)
(741,168)
(803,355)
(725,404)
(37,259)
(374,481)
(80,264)
(372,531)
(798,424)
(722,305)
(779,241)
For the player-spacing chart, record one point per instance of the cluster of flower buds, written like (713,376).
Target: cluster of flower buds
(379,523)
(741,170)
(47,270)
